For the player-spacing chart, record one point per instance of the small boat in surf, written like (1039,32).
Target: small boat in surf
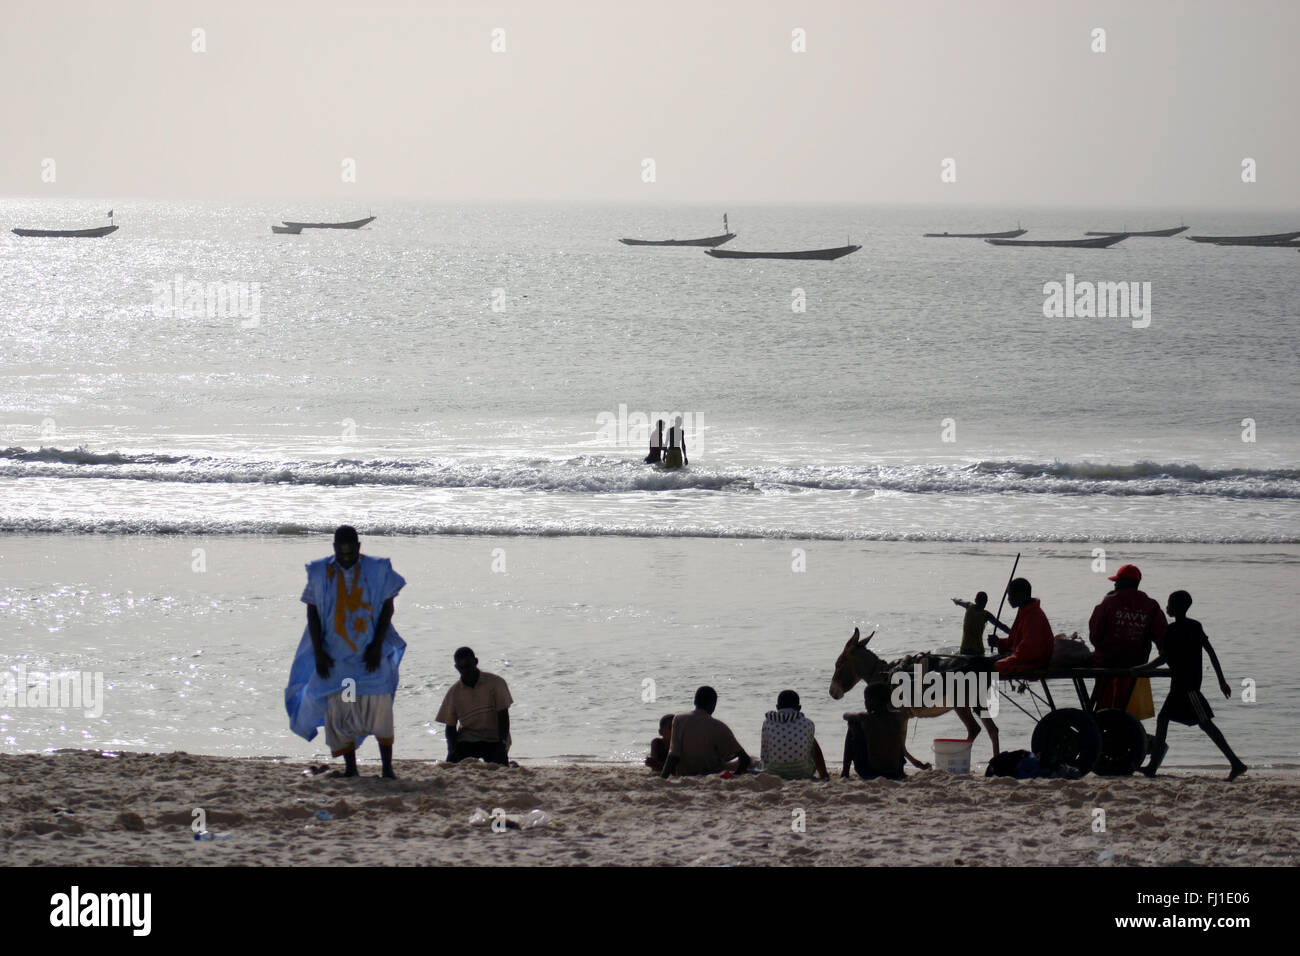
(287,230)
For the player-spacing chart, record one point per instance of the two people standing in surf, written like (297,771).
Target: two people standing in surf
(668,451)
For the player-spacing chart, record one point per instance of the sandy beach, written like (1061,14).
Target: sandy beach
(131,809)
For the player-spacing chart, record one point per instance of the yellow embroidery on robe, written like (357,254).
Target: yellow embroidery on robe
(347,605)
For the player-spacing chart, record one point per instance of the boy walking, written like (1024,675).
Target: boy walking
(1181,650)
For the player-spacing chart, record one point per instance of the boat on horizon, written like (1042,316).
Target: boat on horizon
(286,230)
(725,236)
(705,241)
(67,233)
(1247,240)
(1009,234)
(1150,232)
(354,224)
(823,254)
(1097,242)
(1265,243)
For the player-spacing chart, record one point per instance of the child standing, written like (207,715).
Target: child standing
(1181,650)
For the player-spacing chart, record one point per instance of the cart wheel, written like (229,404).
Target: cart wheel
(1067,738)
(1123,743)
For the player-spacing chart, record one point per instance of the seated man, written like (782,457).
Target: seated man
(790,748)
(1031,640)
(476,712)
(701,743)
(873,744)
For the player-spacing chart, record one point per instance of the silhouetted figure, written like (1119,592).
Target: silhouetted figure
(659,746)
(1122,629)
(972,625)
(873,743)
(1180,648)
(1030,640)
(675,456)
(656,445)
(703,744)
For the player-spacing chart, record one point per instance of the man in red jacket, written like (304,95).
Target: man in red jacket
(1122,629)
(1030,641)
(1126,622)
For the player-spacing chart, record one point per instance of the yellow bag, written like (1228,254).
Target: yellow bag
(1140,704)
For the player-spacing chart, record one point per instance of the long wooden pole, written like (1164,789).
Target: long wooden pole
(1007,589)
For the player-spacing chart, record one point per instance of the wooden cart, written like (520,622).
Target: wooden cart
(1108,741)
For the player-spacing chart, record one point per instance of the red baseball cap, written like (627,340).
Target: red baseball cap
(1129,572)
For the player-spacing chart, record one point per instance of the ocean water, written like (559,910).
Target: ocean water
(455,379)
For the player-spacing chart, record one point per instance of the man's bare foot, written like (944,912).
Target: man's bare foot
(1237,771)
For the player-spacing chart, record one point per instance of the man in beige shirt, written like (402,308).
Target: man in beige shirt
(701,743)
(476,712)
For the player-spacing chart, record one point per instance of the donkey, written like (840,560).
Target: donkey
(858,663)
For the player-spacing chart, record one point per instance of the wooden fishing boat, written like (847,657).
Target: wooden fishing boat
(67,233)
(1151,232)
(354,224)
(1286,244)
(1010,234)
(286,230)
(824,254)
(1097,242)
(706,241)
(1247,240)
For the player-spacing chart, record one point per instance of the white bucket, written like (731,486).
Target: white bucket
(952,755)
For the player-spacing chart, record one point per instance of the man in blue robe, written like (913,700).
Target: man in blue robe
(344,675)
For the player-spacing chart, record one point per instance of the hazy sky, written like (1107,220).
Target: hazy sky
(711,90)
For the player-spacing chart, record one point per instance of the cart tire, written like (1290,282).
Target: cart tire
(1123,743)
(1067,738)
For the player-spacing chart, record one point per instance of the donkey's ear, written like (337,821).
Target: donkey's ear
(853,641)
(868,638)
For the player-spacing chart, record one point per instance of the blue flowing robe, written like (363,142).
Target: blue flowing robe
(305,697)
